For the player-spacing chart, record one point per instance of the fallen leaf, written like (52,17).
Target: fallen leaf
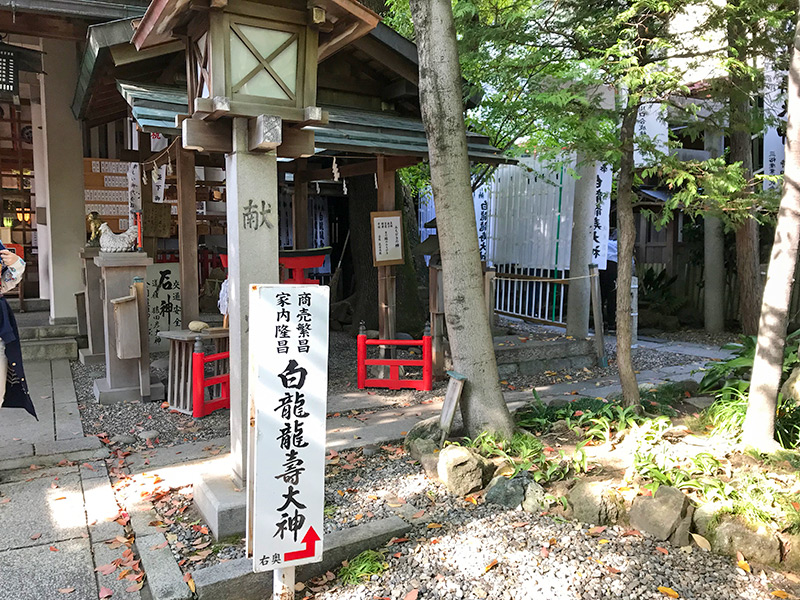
(471,500)
(187,578)
(668,592)
(631,532)
(662,550)
(135,587)
(416,515)
(68,590)
(105,593)
(613,571)
(53,549)
(159,546)
(743,565)
(412,595)
(701,541)
(520,524)
(596,530)
(739,556)
(544,552)
(490,566)
(792,577)
(779,594)
(106,569)
(36,536)
(434,525)
(601,542)
(398,540)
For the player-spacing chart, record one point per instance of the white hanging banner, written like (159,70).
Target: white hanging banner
(774,108)
(288,395)
(481,198)
(652,126)
(600,218)
(134,189)
(159,184)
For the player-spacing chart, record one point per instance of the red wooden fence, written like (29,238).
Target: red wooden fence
(201,408)
(393,382)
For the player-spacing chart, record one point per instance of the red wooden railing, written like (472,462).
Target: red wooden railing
(393,382)
(201,407)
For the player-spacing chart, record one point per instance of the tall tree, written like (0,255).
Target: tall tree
(482,404)
(759,423)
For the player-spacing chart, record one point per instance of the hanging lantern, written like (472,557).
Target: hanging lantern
(14,59)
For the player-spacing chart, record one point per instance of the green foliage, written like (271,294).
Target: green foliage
(655,292)
(522,446)
(362,567)
(734,373)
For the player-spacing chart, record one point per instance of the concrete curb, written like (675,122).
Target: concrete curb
(164,578)
(51,453)
(236,579)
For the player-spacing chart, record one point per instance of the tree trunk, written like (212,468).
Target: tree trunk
(759,424)
(363,198)
(748,269)
(482,403)
(626,238)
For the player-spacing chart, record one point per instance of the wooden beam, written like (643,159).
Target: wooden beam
(207,136)
(389,58)
(187,236)
(387,282)
(48,26)
(300,211)
(124,54)
(296,143)
(264,133)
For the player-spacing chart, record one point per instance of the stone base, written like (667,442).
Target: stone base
(222,505)
(106,395)
(87,358)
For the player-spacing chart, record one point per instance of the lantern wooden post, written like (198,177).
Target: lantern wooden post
(187,236)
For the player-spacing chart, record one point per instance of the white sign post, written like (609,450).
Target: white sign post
(387,238)
(288,399)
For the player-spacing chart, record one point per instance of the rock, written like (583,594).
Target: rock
(559,403)
(403,336)
(336,326)
(506,492)
(732,536)
(430,463)
(680,537)
(534,501)
(198,326)
(597,503)
(149,434)
(461,470)
(689,385)
(418,447)
(370,450)
(427,429)
(373,334)
(123,439)
(560,426)
(661,514)
(791,388)
(791,550)
(703,516)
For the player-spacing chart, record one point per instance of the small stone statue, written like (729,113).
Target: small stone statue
(117,242)
(94,221)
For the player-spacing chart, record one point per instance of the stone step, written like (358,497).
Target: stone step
(50,349)
(31,304)
(43,332)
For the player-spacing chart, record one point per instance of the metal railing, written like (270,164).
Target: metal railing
(530,294)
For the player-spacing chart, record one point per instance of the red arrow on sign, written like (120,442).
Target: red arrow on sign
(310,539)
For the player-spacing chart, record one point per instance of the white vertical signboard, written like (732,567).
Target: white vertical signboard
(600,216)
(774,109)
(288,395)
(159,184)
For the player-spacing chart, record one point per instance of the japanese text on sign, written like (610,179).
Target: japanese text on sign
(387,238)
(163,301)
(600,216)
(288,390)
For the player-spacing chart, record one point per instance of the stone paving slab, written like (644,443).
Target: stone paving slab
(26,474)
(101,510)
(14,449)
(161,456)
(35,507)
(37,573)
(103,555)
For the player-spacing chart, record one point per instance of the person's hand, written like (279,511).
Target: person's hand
(8,257)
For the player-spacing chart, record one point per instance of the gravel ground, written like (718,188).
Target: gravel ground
(456,549)
(133,418)
(172,427)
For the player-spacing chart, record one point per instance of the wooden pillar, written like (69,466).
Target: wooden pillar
(300,208)
(387,285)
(187,236)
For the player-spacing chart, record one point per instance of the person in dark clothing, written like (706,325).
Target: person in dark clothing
(12,374)
(608,285)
